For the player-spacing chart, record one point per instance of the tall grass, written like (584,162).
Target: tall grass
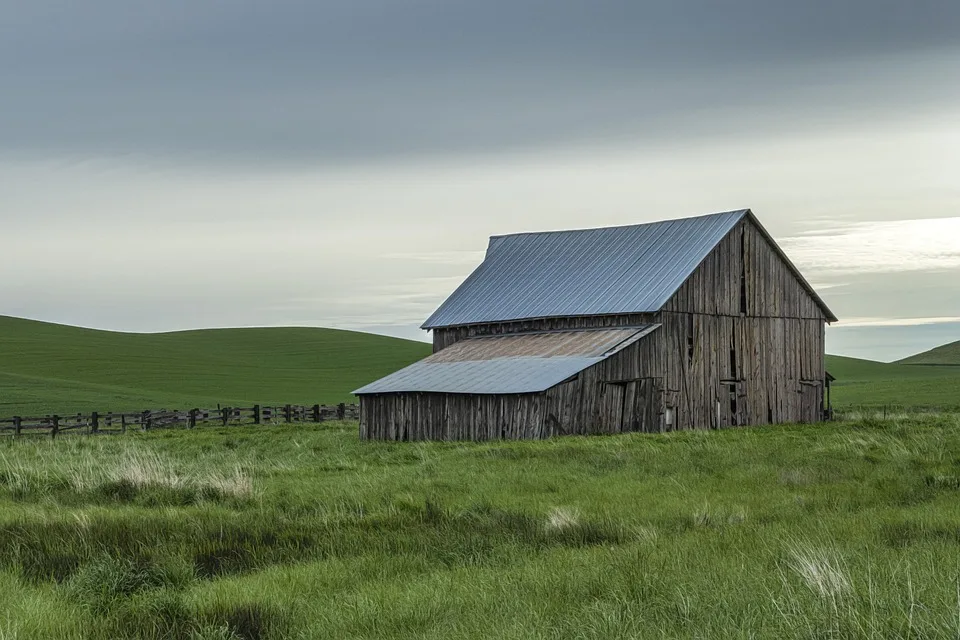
(844,530)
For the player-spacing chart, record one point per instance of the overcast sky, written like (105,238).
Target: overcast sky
(182,164)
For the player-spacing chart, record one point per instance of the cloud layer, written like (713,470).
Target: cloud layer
(342,162)
(350,80)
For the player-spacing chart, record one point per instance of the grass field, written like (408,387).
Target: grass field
(849,530)
(845,530)
(48,368)
(948,354)
(875,384)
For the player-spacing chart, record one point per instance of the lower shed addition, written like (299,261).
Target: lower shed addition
(520,386)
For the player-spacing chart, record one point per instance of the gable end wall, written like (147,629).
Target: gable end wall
(772,288)
(736,356)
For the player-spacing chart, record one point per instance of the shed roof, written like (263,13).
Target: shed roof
(605,271)
(515,363)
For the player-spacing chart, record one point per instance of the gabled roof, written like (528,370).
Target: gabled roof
(515,363)
(605,271)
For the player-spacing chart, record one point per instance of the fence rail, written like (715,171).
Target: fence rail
(111,423)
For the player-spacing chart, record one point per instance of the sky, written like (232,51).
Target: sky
(341,163)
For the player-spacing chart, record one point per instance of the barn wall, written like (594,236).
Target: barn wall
(441,416)
(745,256)
(445,336)
(622,393)
(710,371)
(724,371)
(444,416)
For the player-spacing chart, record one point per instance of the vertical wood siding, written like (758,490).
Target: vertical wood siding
(743,340)
(622,393)
(723,371)
(772,289)
(444,416)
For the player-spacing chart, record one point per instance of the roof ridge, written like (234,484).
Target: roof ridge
(743,211)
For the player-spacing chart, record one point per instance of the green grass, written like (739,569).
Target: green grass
(875,384)
(848,530)
(47,368)
(948,354)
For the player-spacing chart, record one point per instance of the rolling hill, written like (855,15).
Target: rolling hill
(948,354)
(869,383)
(56,368)
(51,368)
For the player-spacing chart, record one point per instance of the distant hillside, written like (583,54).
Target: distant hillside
(50,368)
(948,354)
(869,383)
(55,368)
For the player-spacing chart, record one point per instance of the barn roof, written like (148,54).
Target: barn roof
(611,270)
(515,363)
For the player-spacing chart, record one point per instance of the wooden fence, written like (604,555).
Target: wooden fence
(109,423)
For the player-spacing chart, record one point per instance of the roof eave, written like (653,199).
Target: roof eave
(427,327)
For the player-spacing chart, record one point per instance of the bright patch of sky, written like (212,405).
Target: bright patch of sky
(881,247)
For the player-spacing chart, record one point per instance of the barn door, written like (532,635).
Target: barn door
(811,400)
(612,396)
(641,405)
(731,405)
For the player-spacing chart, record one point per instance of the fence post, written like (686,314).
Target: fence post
(94,422)
(287,411)
(145,421)
(256,414)
(16,425)
(193,418)
(316,413)
(341,411)
(123,423)
(55,427)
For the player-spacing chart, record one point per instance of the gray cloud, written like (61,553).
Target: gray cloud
(344,80)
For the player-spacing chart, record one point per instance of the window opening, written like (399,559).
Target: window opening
(733,354)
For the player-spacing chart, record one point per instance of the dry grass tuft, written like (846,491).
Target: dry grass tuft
(820,570)
(237,483)
(561,518)
(797,477)
(145,469)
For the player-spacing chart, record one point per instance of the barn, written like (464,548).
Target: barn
(694,323)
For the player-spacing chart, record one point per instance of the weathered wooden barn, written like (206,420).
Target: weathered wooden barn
(683,324)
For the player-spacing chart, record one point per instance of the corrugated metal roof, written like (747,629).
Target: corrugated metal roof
(517,363)
(612,270)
